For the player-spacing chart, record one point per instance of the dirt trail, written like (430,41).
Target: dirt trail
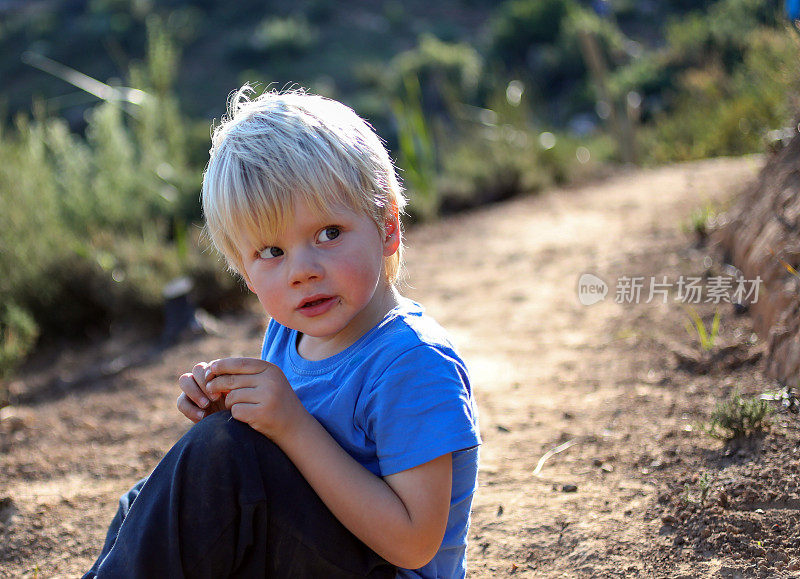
(546,370)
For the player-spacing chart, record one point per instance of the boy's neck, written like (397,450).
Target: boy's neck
(315,349)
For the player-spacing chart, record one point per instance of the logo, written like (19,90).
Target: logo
(591,289)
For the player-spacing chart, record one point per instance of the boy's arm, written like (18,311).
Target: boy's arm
(402,516)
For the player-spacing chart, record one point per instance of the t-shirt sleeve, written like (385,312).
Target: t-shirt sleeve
(420,408)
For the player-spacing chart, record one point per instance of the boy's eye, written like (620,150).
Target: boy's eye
(329,234)
(270,252)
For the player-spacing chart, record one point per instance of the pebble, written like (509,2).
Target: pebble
(12,420)
(7,511)
(569,488)
(670,520)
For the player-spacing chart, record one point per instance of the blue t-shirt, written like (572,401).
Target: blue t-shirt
(397,398)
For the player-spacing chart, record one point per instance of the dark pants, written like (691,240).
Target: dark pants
(227,502)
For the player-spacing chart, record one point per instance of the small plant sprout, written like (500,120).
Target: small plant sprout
(738,417)
(697,327)
(703,490)
(705,486)
(702,219)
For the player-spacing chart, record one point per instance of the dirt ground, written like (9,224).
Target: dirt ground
(637,491)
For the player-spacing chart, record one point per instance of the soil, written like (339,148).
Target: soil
(637,488)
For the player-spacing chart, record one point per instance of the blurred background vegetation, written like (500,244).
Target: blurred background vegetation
(478,101)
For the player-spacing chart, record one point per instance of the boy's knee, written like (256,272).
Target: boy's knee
(219,433)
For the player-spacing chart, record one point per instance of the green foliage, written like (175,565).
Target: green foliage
(417,152)
(717,113)
(701,494)
(697,328)
(491,165)
(18,333)
(738,417)
(517,25)
(290,36)
(446,71)
(498,152)
(93,227)
(701,220)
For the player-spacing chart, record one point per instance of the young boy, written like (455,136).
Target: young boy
(350,448)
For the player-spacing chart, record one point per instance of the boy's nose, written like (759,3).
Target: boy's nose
(305,267)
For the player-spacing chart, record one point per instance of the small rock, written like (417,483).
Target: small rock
(12,420)
(670,520)
(499,510)
(569,488)
(794,565)
(7,511)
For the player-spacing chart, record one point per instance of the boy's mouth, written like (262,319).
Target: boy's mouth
(314,301)
(317,305)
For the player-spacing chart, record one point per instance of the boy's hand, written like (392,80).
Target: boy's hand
(194,402)
(256,392)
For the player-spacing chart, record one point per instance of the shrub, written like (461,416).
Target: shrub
(446,72)
(93,228)
(290,36)
(738,417)
(720,114)
(519,24)
(18,333)
(417,151)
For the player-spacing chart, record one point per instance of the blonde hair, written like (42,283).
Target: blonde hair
(282,147)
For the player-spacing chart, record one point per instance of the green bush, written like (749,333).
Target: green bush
(93,227)
(447,72)
(517,25)
(721,114)
(738,417)
(18,333)
(290,36)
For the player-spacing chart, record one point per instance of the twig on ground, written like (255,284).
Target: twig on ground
(560,448)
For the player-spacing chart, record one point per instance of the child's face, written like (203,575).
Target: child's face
(324,276)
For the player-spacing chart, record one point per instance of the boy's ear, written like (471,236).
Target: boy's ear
(247,282)
(391,232)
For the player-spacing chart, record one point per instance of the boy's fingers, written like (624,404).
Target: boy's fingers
(245,412)
(226,383)
(189,386)
(189,409)
(236,366)
(239,396)
(199,373)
